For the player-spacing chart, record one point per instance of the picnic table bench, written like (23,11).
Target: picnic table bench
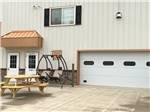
(25,83)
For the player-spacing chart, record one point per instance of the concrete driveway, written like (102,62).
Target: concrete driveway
(78,99)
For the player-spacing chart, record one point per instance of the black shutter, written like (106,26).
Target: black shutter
(78,14)
(46,17)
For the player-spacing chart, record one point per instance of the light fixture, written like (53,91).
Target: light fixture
(36,6)
(119,15)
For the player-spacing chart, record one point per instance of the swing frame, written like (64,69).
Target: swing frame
(49,67)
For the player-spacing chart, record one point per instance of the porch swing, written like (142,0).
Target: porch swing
(59,74)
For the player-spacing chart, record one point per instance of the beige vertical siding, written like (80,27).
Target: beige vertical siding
(100,29)
(0,34)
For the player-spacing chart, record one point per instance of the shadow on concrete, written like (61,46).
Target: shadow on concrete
(142,105)
(3,107)
(24,98)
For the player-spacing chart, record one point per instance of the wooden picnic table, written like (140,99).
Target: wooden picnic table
(22,81)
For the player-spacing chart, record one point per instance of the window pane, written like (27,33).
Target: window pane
(88,62)
(68,16)
(129,63)
(32,61)
(13,61)
(108,63)
(148,63)
(56,16)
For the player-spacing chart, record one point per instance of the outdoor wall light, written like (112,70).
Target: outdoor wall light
(36,6)
(118,15)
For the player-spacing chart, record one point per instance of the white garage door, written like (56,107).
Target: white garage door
(115,69)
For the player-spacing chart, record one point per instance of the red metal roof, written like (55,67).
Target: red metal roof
(22,34)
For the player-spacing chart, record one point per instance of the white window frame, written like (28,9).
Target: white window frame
(74,7)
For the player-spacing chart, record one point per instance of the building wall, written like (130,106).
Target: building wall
(0,41)
(0,48)
(0,34)
(99,30)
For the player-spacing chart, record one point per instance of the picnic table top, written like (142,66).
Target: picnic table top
(14,87)
(21,76)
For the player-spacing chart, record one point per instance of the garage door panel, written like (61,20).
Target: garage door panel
(115,76)
(117,72)
(116,69)
(116,81)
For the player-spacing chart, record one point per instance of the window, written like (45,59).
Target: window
(88,62)
(13,61)
(85,81)
(32,61)
(108,63)
(129,63)
(63,16)
(148,63)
